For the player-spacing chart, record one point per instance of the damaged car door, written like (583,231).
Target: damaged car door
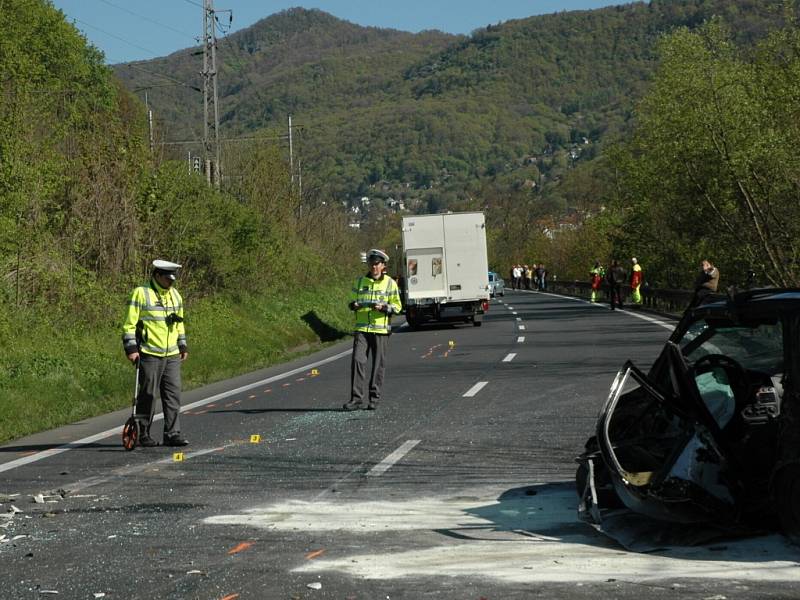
(694,440)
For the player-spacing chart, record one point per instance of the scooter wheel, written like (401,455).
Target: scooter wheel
(130,434)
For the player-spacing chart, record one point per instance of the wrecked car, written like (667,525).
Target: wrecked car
(708,440)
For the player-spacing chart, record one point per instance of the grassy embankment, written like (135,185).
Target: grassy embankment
(54,373)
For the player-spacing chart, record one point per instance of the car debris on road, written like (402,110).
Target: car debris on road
(709,439)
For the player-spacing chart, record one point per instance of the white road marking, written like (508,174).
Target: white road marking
(514,313)
(387,462)
(659,322)
(520,339)
(522,327)
(519,318)
(25,460)
(510,308)
(475,389)
(509,358)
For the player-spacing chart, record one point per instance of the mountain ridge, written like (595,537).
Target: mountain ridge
(517,101)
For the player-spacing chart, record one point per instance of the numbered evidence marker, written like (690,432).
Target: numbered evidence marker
(177,456)
(314,372)
(451,343)
(255,438)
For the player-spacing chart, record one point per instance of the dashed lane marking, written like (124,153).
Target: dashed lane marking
(522,327)
(509,358)
(387,462)
(475,389)
(521,339)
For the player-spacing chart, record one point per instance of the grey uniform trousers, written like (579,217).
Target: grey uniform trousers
(159,377)
(366,346)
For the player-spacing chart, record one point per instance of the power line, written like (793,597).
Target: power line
(149,20)
(167,77)
(108,33)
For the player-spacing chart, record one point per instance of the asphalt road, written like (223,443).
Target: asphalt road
(459,486)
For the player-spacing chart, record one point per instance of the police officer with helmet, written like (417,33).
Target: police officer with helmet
(374,299)
(154,336)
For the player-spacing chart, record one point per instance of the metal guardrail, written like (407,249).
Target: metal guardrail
(670,302)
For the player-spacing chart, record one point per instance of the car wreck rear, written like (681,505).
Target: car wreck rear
(708,439)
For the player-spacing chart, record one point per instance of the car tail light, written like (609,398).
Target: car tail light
(485,306)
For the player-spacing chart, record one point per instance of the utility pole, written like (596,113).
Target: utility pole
(149,122)
(291,154)
(210,106)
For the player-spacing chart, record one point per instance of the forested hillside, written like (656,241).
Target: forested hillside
(428,118)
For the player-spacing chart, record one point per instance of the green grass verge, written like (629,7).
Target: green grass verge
(54,373)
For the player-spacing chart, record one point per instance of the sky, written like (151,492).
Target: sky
(128,30)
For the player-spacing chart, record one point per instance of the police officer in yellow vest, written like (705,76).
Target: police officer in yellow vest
(374,298)
(154,336)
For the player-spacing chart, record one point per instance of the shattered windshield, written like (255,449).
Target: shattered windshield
(757,346)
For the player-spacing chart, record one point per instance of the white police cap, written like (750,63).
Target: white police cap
(166,267)
(376,255)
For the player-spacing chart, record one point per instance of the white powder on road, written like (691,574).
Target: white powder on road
(514,538)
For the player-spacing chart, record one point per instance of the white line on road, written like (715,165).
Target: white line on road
(519,318)
(475,389)
(520,339)
(522,327)
(659,322)
(510,308)
(509,358)
(646,318)
(387,462)
(514,313)
(118,430)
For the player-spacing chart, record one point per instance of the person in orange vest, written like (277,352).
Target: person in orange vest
(597,273)
(636,281)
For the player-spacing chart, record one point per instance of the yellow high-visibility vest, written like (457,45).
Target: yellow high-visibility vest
(150,310)
(368,292)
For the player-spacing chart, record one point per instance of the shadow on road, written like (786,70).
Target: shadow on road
(547,512)
(321,329)
(40,447)
(258,411)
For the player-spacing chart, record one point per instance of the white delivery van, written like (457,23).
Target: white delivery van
(446,273)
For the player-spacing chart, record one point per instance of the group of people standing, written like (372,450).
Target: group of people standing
(706,282)
(154,341)
(527,277)
(616,276)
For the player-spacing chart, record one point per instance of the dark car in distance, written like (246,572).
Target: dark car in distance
(709,436)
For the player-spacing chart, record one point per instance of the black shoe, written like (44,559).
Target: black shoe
(146,442)
(348,406)
(175,440)
(372,406)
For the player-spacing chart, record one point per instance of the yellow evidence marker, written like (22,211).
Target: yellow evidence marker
(314,372)
(177,456)
(255,438)
(451,343)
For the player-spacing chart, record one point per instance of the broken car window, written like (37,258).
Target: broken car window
(756,346)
